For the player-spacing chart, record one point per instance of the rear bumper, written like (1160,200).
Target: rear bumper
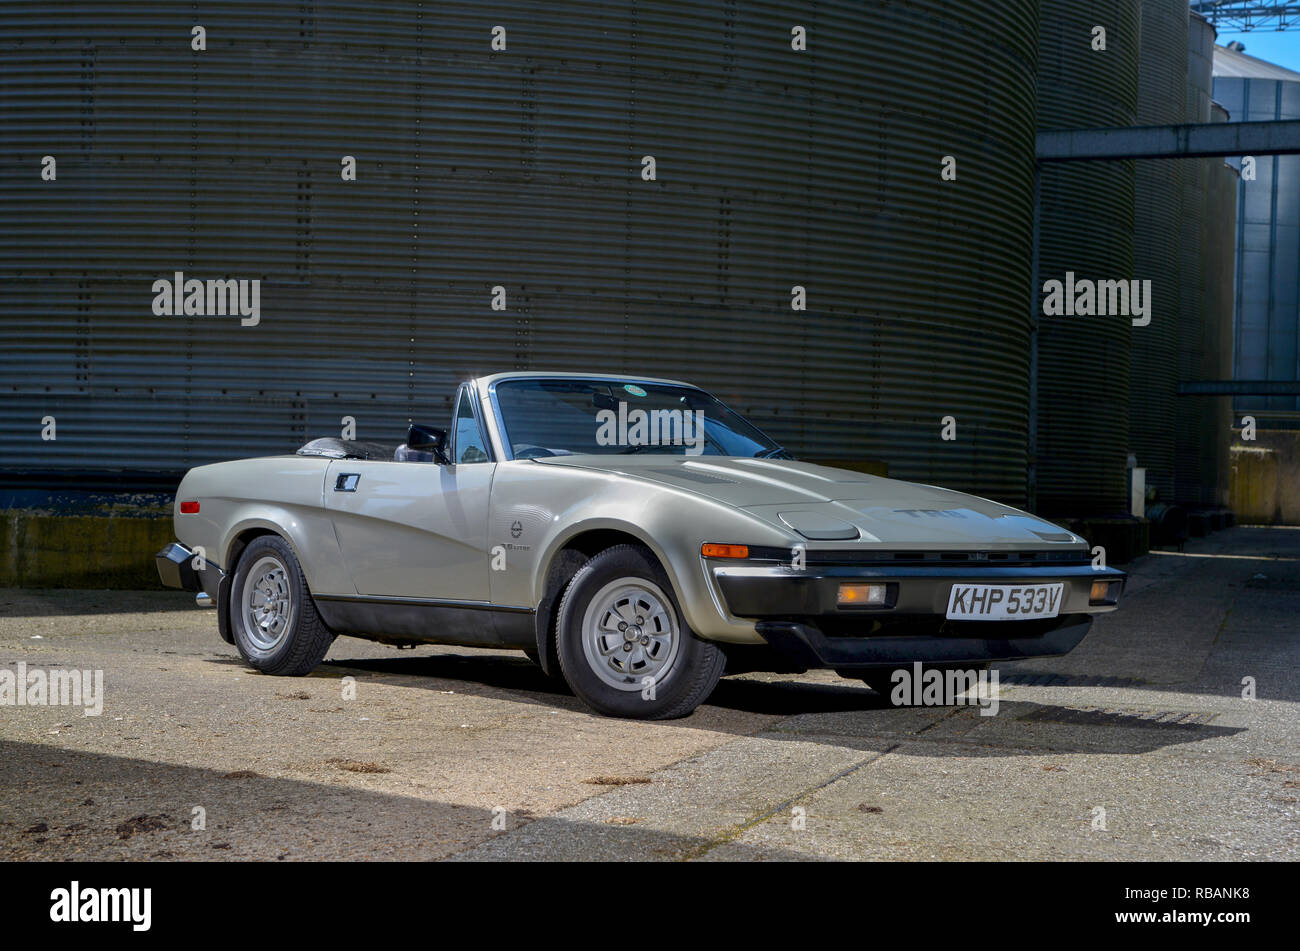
(176,569)
(805,646)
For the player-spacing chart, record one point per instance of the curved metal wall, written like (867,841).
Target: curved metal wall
(1197,424)
(518,168)
(1157,225)
(1085,227)
(1219,294)
(1267,332)
(1201,35)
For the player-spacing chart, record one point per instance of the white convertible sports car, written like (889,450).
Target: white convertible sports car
(634,536)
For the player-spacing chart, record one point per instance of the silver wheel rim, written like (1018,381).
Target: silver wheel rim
(267,603)
(629,633)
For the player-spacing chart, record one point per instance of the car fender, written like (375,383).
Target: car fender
(291,506)
(309,533)
(678,552)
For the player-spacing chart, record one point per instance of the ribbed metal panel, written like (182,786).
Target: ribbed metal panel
(519,168)
(1086,227)
(1219,294)
(1162,93)
(1197,425)
(1200,69)
(1267,303)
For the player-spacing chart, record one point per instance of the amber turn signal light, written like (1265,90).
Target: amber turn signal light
(868,594)
(709,550)
(1104,592)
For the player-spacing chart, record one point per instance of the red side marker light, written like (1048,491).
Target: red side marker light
(189,508)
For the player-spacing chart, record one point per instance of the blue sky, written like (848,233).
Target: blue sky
(1282,48)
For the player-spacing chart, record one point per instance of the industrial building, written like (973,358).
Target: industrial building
(1267,294)
(826,216)
(1266,298)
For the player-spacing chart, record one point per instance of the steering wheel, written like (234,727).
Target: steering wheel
(533,452)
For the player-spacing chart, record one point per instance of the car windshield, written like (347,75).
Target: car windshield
(558,417)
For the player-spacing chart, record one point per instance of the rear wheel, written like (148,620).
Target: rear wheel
(272,615)
(624,647)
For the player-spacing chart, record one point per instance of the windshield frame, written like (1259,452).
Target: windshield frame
(503,435)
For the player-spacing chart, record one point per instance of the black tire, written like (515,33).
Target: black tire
(687,677)
(304,639)
(881,681)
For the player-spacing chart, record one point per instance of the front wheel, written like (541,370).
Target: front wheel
(624,648)
(272,615)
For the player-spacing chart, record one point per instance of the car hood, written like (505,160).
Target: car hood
(829,507)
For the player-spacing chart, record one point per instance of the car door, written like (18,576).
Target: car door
(416,529)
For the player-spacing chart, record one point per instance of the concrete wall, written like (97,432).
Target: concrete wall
(39,550)
(1265,485)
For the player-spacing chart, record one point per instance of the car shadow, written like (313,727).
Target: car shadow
(847,715)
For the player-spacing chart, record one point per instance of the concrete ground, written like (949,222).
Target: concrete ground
(1139,745)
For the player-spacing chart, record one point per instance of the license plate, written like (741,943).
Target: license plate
(1004,602)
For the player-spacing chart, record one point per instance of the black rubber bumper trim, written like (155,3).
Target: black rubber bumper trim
(176,568)
(806,646)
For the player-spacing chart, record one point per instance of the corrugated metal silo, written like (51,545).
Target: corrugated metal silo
(1086,227)
(1162,92)
(519,168)
(1219,289)
(1195,422)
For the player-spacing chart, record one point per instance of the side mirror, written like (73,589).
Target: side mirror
(428,439)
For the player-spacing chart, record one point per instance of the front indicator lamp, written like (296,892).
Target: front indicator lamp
(866,595)
(1105,592)
(709,550)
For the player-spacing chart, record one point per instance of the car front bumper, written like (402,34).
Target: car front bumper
(806,646)
(798,615)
